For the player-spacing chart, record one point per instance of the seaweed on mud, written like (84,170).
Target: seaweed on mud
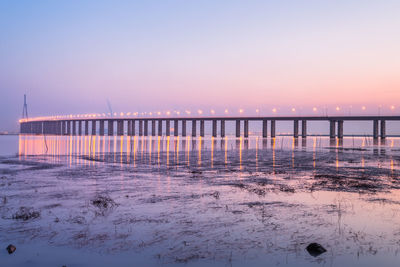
(104,204)
(25,214)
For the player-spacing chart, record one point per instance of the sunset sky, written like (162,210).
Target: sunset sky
(69,57)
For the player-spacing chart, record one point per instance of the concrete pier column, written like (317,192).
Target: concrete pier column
(101,127)
(94,127)
(303,128)
(133,130)
(194,128)
(295,128)
(129,130)
(202,128)
(246,128)
(62,127)
(167,127)
(222,128)
(214,128)
(237,128)
(73,128)
(140,128)
(340,129)
(159,127)
(183,127)
(265,128)
(146,128)
(58,128)
(383,129)
(110,127)
(273,129)
(176,128)
(68,127)
(332,129)
(120,127)
(86,127)
(79,127)
(153,128)
(375,129)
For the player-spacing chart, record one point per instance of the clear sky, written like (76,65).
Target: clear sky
(69,57)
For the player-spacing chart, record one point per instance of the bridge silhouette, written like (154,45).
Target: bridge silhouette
(80,126)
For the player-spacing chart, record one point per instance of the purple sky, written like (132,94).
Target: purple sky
(69,57)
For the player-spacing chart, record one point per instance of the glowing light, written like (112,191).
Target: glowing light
(212,111)
(226,111)
(274,110)
(122,114)
(257,111)
(168,113)
(392,107)
(241,111)
(363,108)
(188,112)
(293,110)
(314,109)
(200,111)
(337,108)
(159,113)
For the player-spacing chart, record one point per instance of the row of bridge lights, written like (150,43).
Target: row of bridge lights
(188,113)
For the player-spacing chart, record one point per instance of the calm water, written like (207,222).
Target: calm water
(97,201)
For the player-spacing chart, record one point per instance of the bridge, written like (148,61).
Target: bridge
(80,126)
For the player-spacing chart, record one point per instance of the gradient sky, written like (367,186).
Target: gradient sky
(69,57)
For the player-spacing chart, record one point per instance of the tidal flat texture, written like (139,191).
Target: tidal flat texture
(223,207)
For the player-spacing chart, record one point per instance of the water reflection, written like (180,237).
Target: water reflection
(172,151)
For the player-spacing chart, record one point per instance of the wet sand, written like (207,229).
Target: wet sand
(216,204)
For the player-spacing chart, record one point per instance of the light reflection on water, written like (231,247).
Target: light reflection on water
(193,151)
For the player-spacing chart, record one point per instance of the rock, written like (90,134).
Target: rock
(315,249)
(11,248)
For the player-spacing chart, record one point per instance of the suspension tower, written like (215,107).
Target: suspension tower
(25,109)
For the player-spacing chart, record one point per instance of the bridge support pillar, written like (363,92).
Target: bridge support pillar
(140,128)
(375,129)
(110,126)
(340,129)
(159,127)
(176,128)
(146,128)
(86,127)
(133,127)
(153,128)
(273,128)
(129,125)
(214,128)
(332,129)
(93,127)
(79,127)
(73,128)
(237,128)
(202,128)
(295,128)
(101,127)
(167,127)
(194,128)
(222,128)
(246,128)
(68,127)
(183,127)
(303,128)
(120,127)
(383,129)
(265,128)
(62,127)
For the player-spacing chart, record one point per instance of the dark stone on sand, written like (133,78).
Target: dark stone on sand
(315,249)
(25,213)
(11,248)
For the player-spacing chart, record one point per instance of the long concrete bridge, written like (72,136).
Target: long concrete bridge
(80,126)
